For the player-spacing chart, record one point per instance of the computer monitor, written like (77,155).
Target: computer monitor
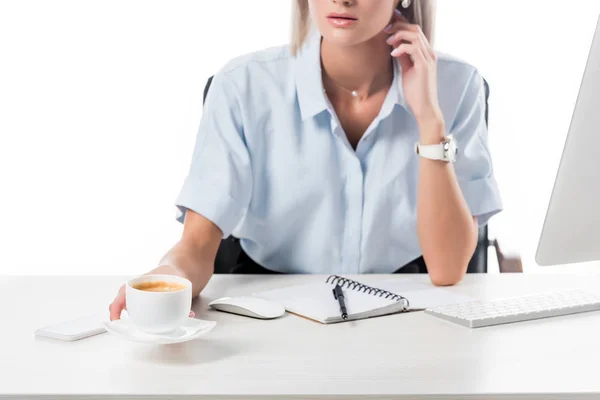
(571,228)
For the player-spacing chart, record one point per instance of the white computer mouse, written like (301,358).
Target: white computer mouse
(248,306)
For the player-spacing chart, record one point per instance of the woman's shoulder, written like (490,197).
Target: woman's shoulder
(272,60)
(457,78)
(455,68)
(255,82)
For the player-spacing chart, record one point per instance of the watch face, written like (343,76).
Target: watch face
(451,148)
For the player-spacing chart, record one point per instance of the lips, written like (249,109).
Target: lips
(341,20)
(343,16)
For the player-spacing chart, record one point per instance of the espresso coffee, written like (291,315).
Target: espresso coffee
(158,303)
(159,286)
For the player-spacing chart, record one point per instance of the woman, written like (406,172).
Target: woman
(307,154)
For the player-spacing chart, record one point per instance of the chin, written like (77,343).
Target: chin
(347,37)
(344,38)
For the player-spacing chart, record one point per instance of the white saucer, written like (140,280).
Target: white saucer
(191,329)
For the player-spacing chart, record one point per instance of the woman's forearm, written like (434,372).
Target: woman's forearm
(190,262)
(447,231)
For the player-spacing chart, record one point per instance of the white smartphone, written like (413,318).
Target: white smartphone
(75,329)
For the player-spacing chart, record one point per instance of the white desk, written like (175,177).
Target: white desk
(402,356)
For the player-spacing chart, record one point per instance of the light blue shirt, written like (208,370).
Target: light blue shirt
(273,167)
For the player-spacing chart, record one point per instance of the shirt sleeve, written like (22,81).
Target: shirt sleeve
(474,167)
(218,185)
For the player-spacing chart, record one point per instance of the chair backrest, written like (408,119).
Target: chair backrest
(230,249)
(479,261)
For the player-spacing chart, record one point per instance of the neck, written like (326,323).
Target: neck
(366,67)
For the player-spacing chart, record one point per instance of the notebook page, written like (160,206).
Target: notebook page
(316,301)
(422,296)
(358,302)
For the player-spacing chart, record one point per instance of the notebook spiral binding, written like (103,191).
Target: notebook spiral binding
(354,285)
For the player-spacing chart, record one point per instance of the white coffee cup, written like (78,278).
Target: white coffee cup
(158,312)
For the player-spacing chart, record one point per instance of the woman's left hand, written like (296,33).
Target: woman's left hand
(419,69)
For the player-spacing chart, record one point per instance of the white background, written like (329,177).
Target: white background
(100,102)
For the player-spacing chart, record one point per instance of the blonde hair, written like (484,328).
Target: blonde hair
(420,12)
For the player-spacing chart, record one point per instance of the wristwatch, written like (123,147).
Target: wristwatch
(444,151)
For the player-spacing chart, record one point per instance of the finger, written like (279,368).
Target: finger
(410,38)
(192,314)
(395,26)
(427,48)
(402,25)
(396,17)
(117,306)
(404,58)
(397,38)
(415,38)
(405,26)
(410,49)
(406,62)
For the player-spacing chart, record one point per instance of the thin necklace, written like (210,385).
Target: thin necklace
(354,93)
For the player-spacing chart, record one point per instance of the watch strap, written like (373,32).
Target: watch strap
(431,151)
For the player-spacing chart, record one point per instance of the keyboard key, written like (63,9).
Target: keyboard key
(486,313)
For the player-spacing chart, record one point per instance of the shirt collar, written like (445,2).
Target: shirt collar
(309,82)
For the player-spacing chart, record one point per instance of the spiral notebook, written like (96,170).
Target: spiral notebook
(315,301)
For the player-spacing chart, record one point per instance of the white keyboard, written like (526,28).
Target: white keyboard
(478,313)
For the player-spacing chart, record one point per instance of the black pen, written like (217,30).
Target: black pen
(338,294)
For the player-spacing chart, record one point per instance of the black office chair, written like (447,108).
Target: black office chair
(229,250)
